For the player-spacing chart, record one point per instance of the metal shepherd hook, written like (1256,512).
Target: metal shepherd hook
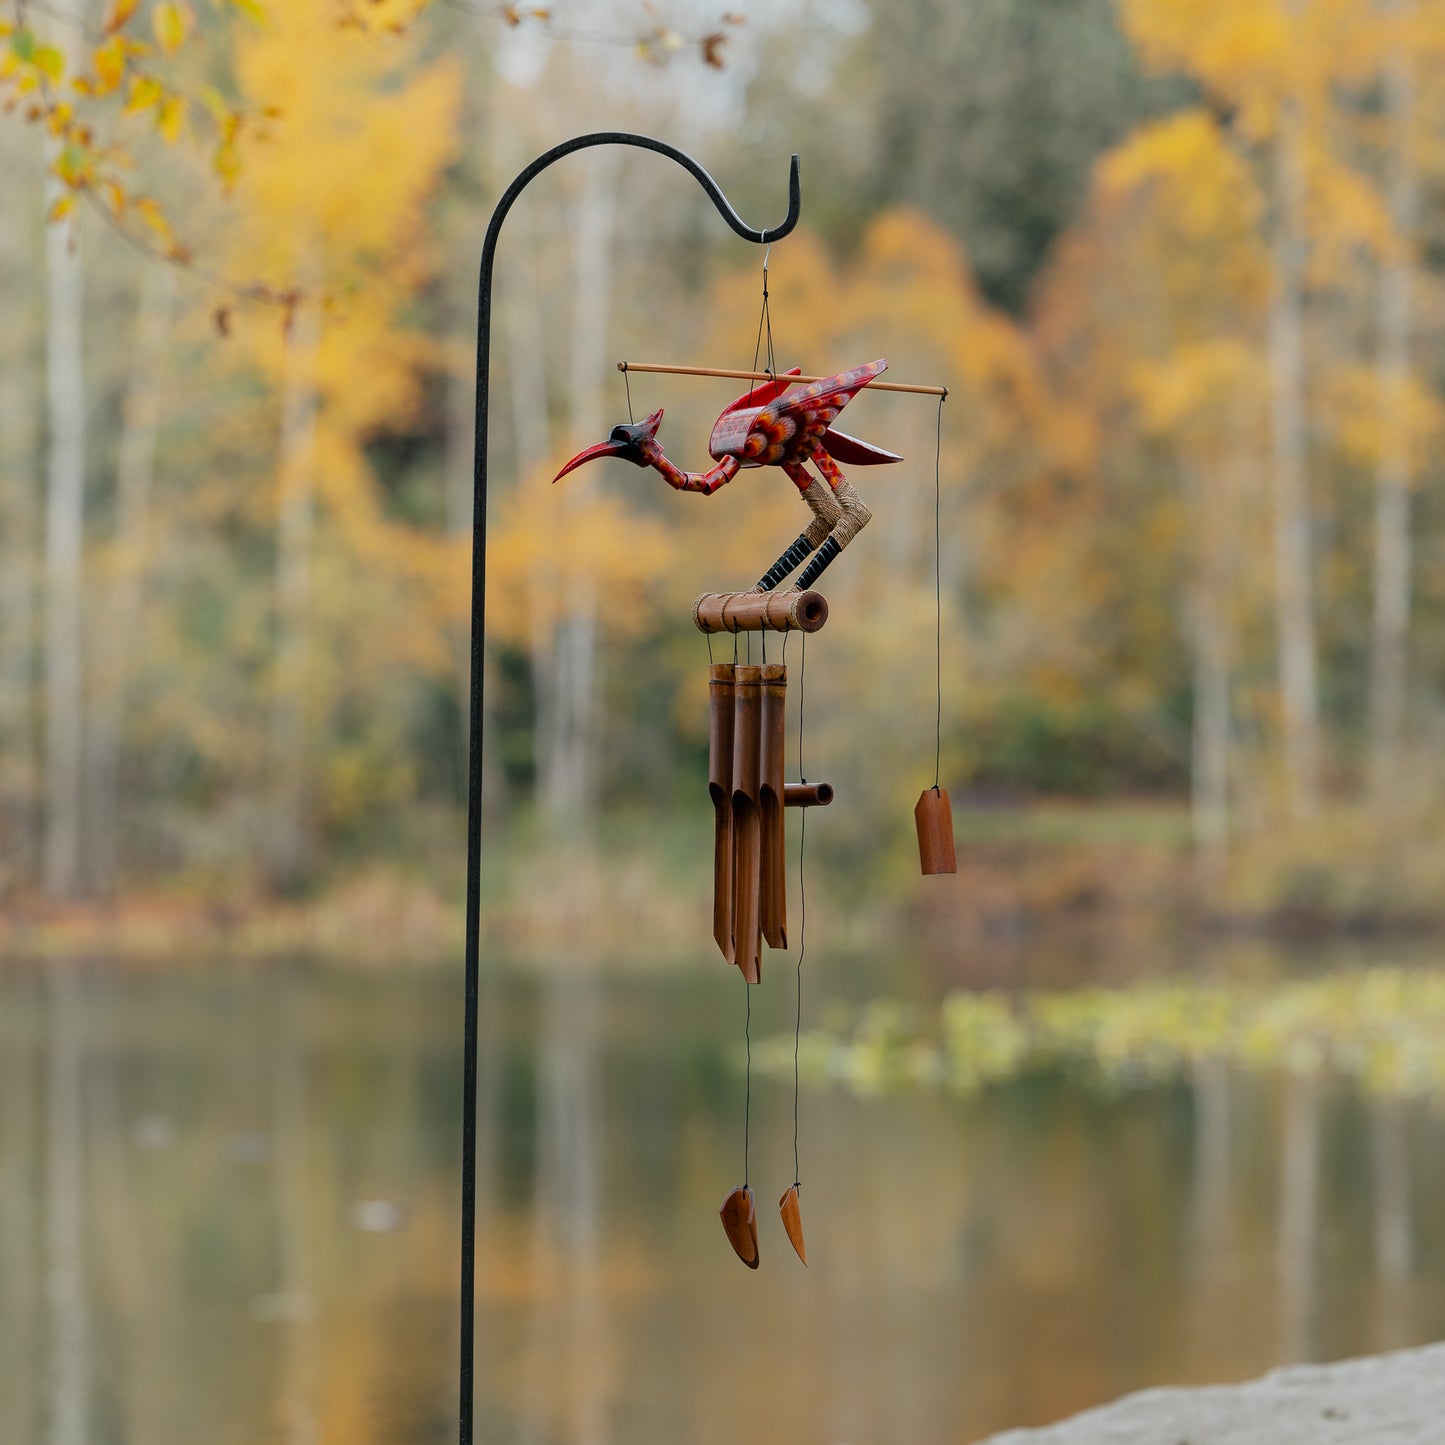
(479,594)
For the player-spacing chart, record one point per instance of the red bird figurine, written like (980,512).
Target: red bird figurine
(764,428)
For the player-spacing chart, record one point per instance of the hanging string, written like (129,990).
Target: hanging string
(938,592)
(802,910)
(765,326)
(748,1078)
(627,382)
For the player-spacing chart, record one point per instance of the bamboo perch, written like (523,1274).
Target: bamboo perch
(760,611)
(769,376)
(807,795)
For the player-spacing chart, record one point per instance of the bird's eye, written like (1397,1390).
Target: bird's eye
(620,434)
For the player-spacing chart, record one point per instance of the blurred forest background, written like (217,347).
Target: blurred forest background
(1180,266)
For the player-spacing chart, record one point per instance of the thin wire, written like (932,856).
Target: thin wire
(765,323)
(802,913)
(627,382)
(938,594)
(748,1076)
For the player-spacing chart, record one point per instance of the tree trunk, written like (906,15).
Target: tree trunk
(1209,766)
(64,531)
(292,845)
(19,549)
(1294,593)
(567,775)
(118,624)
(1388,658)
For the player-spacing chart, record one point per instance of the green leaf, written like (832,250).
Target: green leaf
(49,62)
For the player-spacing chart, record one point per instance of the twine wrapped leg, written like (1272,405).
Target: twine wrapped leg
(826,515)
(855,516)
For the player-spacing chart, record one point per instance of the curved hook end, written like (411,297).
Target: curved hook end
(795,206)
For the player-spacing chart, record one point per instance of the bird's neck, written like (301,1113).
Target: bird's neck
(688,481)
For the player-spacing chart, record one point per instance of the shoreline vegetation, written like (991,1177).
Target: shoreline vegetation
(1082,884)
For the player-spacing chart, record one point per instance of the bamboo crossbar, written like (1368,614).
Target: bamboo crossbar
(760,611)
(769,376)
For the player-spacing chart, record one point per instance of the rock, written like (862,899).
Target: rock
(1394,1399)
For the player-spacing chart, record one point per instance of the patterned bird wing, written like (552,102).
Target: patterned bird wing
(830,395)
(855,453)
(763,392)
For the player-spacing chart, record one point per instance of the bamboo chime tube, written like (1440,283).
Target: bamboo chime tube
(721,691)
(760,611)
(807,795)
(658,370)
(747,823)
(774,840)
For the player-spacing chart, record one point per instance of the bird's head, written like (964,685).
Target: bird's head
(632,441)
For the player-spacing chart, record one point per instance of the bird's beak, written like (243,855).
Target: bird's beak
(602,449)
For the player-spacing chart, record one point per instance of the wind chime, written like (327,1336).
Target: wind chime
(772,424)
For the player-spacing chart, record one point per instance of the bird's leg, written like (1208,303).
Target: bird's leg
(826,515)
(855,516)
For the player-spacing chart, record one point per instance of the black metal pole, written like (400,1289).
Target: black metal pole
(479,604)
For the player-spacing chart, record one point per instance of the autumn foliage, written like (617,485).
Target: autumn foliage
(1172,484)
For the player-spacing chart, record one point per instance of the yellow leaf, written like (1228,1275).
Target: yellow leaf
(109,62)
(61,207)
(117,12)
(150,212)
(226,162)
(144,92)
(113,193)
(171,117)
(171,24)
(70,165)
(253,9)
(215,102)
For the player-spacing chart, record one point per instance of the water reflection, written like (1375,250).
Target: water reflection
(228,1206)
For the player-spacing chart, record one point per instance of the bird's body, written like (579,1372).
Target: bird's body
(767,428)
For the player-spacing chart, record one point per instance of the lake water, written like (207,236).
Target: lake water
(228,1204)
